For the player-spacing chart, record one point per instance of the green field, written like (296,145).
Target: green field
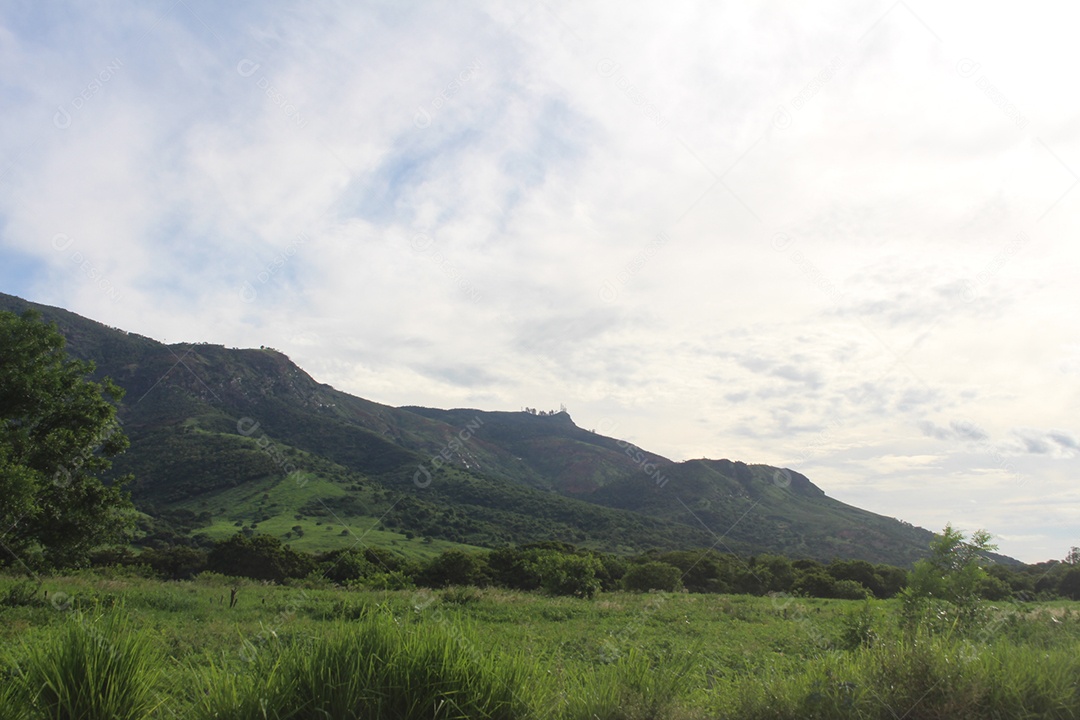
(268,506)
(466,652)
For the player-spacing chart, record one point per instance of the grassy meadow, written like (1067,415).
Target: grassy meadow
(95,646)
(269,506)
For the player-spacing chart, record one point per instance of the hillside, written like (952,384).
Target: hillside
(225,439)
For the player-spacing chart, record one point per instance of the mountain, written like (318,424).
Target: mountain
(226,439)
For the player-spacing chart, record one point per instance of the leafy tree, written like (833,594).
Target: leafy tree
(1069,585)
(850,590)
(893,580)
(58,431)
(515,568)
(261,557)
(858,571)
(781,574)
(563,574)
(612,569)
(454,567)
(653,576)
(346,566)
(814,583)
(175,563)
(1018,583)
(946,585)
(701,572)
(993,588)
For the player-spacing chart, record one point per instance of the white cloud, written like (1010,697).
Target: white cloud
(823,235)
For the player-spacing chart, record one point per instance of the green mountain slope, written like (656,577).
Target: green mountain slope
(226,439)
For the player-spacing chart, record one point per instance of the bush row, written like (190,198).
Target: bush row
(561,569)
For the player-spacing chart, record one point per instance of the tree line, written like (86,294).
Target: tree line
(561,569)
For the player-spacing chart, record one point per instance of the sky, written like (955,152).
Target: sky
(837,237)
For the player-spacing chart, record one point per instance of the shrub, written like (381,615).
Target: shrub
(346,566)
(859,627)
(454,567)
(653,576)
(569,574)
(814,583)
(460,595)
(849,590)
(23,593)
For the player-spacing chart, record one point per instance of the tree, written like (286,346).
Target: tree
(345,566)
(858,571)
(564,574)
(58,431)
(174,563)
(515,568)
(1069,585)
(815,582)
(946,585)
(454,567)
(261,557)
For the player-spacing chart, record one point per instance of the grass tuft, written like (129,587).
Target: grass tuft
(93,668)
(377,667)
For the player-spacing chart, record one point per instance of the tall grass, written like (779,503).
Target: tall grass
(376,668)
(93,669)
(633,688)
(921,679)
(359,655)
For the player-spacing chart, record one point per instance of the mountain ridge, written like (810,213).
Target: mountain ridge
(221,439)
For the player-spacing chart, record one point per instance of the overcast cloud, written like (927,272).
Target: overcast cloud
(837,237)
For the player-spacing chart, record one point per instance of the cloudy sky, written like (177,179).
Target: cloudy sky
(841,239)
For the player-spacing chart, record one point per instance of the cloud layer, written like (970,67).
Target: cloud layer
(835,238)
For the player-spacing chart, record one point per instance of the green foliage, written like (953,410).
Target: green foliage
(345,566)
(454,567)
(943,590)
(1069,585)
(516,568)
(653,576)
(631,688)
(814,583)
(58,431)
(94,668)
(23,594)
(849,590)
(860,626)
(377,667)
(286,650)
(177,562)
(927,678)
(563,574)
(261,557)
